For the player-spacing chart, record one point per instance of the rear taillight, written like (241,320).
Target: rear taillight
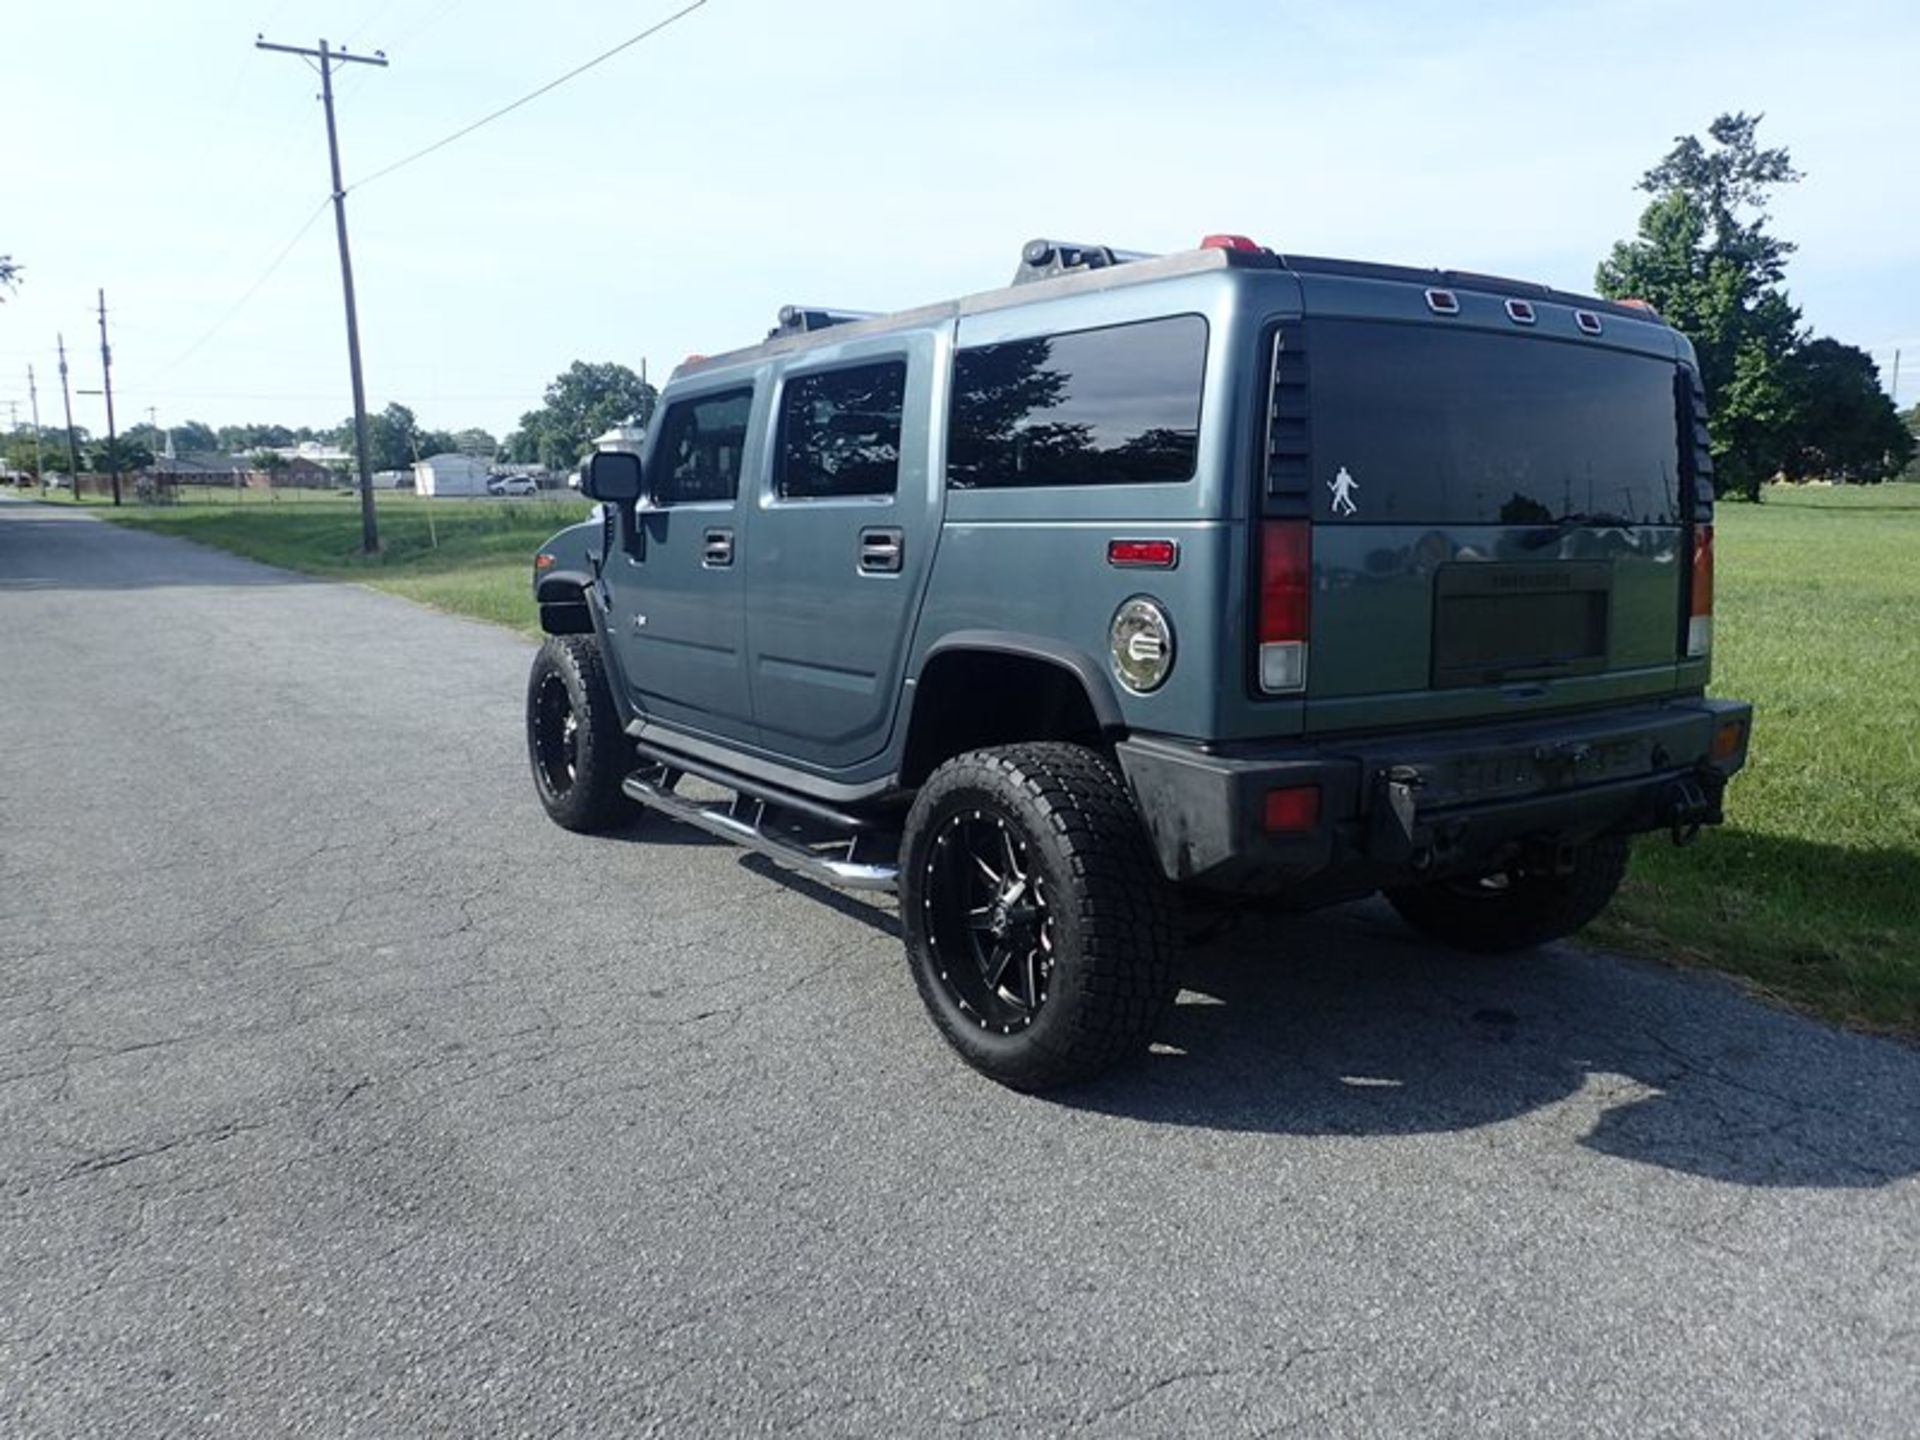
(1700,594)
(1291,810)
(1286,561)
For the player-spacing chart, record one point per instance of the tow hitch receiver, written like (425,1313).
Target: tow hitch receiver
(1687,806)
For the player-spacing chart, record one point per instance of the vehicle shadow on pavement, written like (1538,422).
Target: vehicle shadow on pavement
(1345,1023)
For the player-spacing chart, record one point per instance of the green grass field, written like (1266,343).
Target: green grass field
(1812,889)
(1811,892)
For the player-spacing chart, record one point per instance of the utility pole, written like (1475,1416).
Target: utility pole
(66,399)
(369,527)
(33,399)
(1896,379)
(106,381)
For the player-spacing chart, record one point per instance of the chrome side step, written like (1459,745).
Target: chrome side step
(743,821)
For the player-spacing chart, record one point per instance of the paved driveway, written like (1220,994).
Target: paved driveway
(341,1093)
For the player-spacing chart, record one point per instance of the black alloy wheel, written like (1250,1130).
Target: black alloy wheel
(578,749)
(1038,926)
(988,922)
(554,729)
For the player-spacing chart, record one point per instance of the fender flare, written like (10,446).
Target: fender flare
(1092,677)
(566,602)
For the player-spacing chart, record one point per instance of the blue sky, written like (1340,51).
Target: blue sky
(858,153)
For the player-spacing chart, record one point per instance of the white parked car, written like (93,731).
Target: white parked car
(512,485)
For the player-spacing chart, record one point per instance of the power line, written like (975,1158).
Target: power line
(254,289)
(577,71)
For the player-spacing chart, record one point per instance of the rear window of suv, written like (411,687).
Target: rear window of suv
(1436,424)
(1113,406)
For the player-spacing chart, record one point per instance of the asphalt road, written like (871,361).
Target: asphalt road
(341,1094)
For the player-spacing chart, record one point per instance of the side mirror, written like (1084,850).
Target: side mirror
(613,475)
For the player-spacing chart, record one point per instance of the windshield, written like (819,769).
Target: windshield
(1432,424)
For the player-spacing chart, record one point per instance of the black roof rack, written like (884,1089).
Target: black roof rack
(1044,259)
(800,319)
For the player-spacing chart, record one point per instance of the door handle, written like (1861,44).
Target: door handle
(882,549)
(717,553)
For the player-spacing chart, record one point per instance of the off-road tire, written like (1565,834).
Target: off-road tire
(1112,962)
(1527,910)
(590,799)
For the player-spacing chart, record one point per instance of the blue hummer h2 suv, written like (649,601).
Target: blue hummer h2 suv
(1147,581)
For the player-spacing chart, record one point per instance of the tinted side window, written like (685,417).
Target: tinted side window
(1114,406)
(840,432)
(698,455)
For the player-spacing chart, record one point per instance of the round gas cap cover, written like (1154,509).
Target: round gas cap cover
(1141,639)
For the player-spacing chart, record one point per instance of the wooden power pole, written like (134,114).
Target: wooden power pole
(329,58)
(66,400)
(39,464)
(106,382)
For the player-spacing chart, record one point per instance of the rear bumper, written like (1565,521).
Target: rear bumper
(1398,807)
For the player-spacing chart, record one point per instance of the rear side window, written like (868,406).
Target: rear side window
(701,442)
(1114,406)
(840,432)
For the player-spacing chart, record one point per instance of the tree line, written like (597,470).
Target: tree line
(582,402)
(1782,401)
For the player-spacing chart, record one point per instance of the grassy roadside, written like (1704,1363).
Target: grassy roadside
(1811,893)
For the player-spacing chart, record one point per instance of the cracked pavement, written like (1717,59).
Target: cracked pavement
(341,1094)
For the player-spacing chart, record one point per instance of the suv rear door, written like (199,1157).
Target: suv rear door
(839,545)
(1498,512)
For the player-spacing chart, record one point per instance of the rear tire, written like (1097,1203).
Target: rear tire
(575,741)
(1038,926)
(1497,914)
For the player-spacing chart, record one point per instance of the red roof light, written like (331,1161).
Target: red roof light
(1230,242)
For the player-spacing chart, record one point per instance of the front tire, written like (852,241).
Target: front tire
(575,742)
(1498,914)
(1038,926)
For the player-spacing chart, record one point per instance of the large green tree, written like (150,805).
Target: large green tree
(193,437)
(1705,259)
(129,452)
(1842,425)
(583,401)
(21,454)
(245,439)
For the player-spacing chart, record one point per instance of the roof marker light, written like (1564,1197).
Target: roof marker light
(1635,303)
(1588,322)
(1520,312)
(1443,302)
(1229,242)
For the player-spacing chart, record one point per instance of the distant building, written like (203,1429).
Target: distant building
(628,437)
(315,451)
(206,467)
(450,474)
